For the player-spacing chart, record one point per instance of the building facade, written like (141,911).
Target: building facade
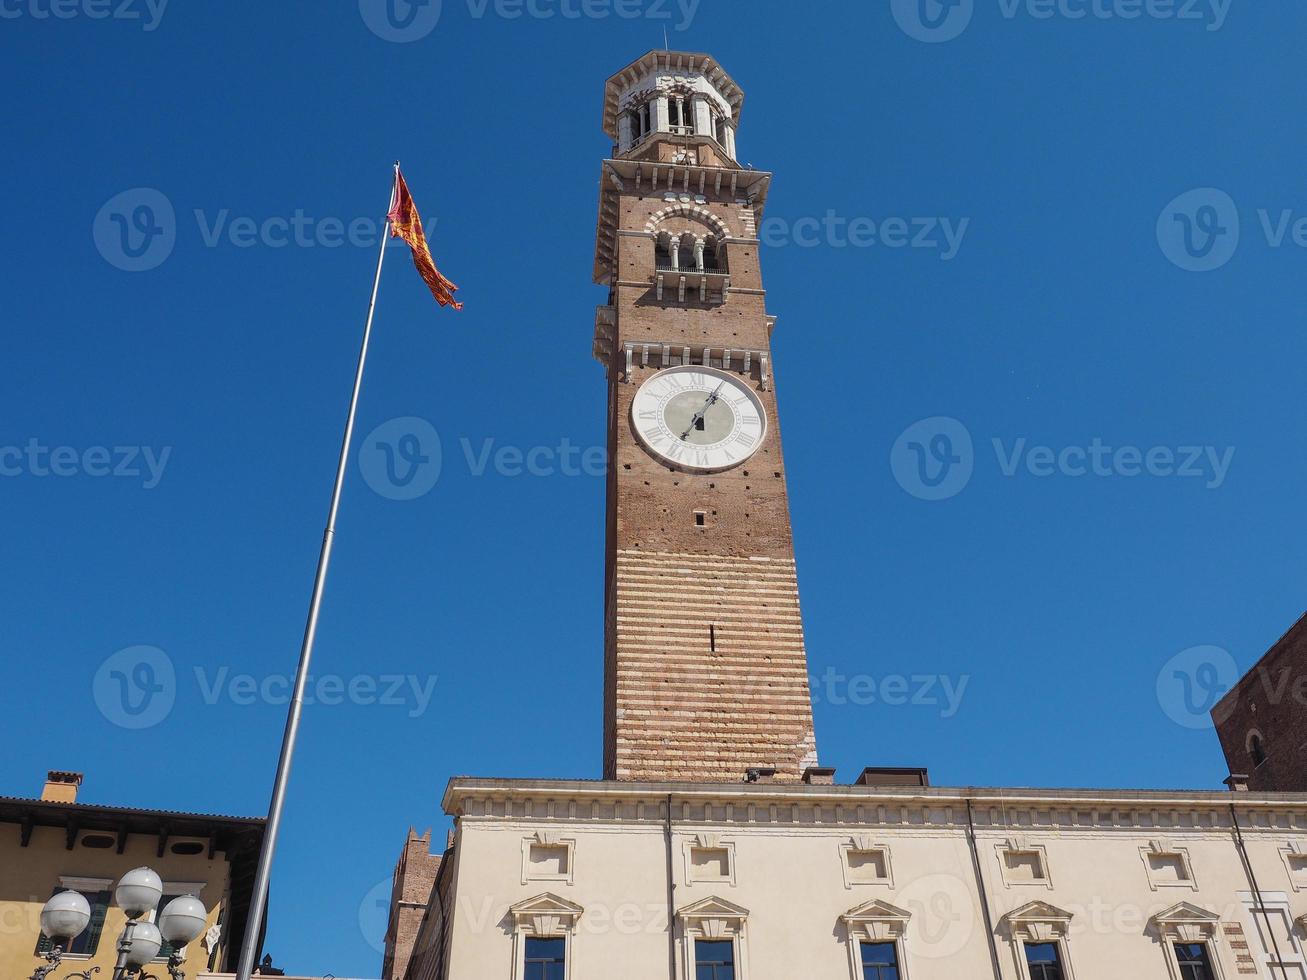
(715,847)
(1262,720)
(56,842)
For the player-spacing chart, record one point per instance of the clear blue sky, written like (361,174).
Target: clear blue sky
(1062,319)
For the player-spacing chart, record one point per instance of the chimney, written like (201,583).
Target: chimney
(1237,782)
(815,776)
(61,787)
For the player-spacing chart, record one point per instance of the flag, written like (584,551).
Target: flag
(406,223)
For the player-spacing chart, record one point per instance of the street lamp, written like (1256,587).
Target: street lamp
(62,919)
(139,891)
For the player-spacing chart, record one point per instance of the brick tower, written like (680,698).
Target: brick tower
(705,670)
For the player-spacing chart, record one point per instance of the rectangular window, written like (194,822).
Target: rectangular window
(1194,964)
(89,941)
(545,959)
(1044,961)
(880,961)
(714,959)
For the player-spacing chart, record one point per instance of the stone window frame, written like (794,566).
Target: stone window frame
(546,916)
(876,922)
(1188,923)
(864,844)
(1161,848)
(546,839)
(1297,879)
(708,842)
(713,919)
(1037,923)
(1021,846)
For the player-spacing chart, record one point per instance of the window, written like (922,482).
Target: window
(1256,749)
(1194,964)
(546,959)
(89,941)
(880,961)
(543,930)
(1044,961)
(714,959)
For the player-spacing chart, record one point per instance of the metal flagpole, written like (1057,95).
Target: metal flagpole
(259,899)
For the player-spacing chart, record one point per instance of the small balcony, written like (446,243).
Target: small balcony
(690,270)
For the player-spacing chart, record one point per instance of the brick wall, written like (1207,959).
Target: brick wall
(705,668)
(1269,704)
(415,873)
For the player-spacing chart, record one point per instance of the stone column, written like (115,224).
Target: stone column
(702,115)
(698,254)
(661,123)
(624,137)
(730,139)
(676,253)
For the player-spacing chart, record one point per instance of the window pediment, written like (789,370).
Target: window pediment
(1038,922)
(1186,923)
(545,915)
(876,922)
(713,918)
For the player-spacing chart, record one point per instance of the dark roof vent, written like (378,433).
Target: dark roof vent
(891,776)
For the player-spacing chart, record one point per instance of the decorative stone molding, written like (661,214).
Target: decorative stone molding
(713,919)
(1187,923)
(859,856)
(701,845)
(1008,850)
(1161,854)
(875,922)
(1039,923)
(693,212)
(546,916)
(544,845)
(1294,856)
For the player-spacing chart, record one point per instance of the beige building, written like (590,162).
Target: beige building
(805,881)
(57,842)
(715,847)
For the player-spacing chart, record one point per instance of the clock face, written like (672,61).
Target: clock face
(698,418)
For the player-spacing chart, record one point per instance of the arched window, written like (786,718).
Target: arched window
(1256,749)
(714,259)
(663,252)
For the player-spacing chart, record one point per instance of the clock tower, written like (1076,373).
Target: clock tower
(705,673)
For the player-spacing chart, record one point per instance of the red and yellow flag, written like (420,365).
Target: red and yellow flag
(406,223)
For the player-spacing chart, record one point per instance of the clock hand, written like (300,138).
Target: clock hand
(698,416)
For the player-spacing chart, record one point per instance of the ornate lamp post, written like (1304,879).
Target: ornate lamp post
(62,919)
(138,893)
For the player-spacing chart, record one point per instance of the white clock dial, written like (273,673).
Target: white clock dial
(698,418)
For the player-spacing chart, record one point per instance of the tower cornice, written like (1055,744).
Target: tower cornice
(689,62)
